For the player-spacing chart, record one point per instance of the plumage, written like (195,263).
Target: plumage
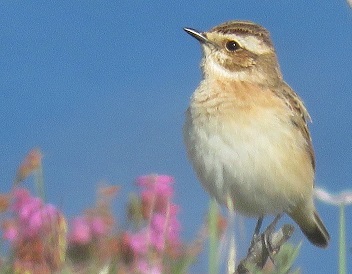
(246,130)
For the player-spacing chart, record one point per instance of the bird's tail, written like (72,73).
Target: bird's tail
(315,231)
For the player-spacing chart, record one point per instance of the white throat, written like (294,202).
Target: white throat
(211,68)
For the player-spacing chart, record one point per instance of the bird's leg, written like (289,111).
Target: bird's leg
(257,228)
(256,233)
(267,236)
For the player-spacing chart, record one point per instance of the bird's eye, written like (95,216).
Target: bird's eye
(232,45)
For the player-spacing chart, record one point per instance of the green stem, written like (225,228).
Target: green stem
(342,241)
(39,182)
(213,238)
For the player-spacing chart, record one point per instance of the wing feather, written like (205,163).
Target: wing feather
(300,115)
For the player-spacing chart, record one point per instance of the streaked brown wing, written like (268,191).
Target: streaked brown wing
(300,116)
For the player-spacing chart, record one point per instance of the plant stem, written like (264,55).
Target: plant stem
(213,238)
(342,241)
(39,182)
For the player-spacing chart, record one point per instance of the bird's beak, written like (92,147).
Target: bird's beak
(200,36)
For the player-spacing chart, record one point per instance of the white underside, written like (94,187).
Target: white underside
(246,161)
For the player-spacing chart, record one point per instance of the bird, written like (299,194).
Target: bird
(246,130)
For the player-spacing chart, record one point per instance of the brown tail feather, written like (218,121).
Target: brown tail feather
(317,235)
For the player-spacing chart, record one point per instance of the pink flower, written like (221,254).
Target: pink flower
(80,232)
(28,208)
(139,242)
(41,218)
(84,229)
(164,230)
(32,215)
(35,223)
(174,210)
(10,233)
(157,191)
(158,184)
(21,196)
(98,226)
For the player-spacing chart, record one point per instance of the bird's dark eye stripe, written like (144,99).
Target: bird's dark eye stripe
(232,45)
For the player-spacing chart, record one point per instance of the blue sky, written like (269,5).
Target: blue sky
(101,87)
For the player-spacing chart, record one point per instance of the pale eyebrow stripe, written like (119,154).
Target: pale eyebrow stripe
(251,43)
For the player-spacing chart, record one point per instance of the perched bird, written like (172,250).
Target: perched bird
(246,130)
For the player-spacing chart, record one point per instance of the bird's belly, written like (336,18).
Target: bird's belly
(257,164)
